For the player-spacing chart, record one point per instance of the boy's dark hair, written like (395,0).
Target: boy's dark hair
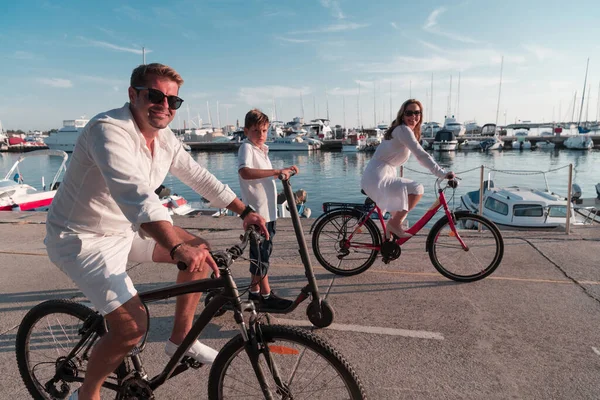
(255,117)
(140,74)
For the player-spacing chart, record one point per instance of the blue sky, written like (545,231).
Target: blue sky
(64,59)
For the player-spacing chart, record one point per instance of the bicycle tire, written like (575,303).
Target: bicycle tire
(335,227)
(27,337)
(481,244)
(307,341)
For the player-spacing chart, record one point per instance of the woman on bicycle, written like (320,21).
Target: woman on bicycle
(380,181)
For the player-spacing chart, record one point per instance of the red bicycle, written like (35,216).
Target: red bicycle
(462,246)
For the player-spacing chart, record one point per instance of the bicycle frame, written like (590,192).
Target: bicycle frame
(174,367)
(440,202)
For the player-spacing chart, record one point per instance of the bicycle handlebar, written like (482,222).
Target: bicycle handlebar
(282,176)
(453,183)
(224,258)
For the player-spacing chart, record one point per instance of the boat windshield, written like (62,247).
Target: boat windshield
(557,211)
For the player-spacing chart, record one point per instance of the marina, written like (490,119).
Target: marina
(335,176)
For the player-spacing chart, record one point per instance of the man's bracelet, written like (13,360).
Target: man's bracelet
(174,249)
(249,209)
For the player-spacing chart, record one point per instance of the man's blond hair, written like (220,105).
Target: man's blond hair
(139,76)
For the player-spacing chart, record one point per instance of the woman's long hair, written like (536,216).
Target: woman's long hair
(399,120)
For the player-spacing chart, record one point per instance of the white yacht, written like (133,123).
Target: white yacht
(451,124)
(3,137)
(429,129)
(64,139)
(579,142)
(319,129)
(293,143)
(445,141)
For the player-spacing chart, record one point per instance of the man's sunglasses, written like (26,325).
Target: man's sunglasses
(157,97)
(410,113)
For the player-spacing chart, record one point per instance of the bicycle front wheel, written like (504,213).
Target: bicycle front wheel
(482,254)
(336,251)
(46,336)
(297,364)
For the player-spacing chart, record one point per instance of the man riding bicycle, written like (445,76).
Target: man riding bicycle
(106,213)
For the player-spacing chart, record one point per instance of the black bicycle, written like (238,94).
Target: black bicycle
(55,339)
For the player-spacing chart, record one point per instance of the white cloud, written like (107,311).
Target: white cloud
(350,26)
(265,94)
(198,95)
(56,82)
(103,81)
(23,55)
(456,60)
(432,18)
(431,25)
(130,12)
(541,53)
(106,45)
(393,24)
(292,40)
(342,92)
(334,7)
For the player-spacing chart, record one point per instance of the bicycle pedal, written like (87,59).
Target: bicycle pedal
(191,362)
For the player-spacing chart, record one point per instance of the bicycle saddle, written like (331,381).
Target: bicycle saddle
(369,201)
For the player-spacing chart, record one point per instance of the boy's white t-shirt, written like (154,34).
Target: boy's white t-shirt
(259,193)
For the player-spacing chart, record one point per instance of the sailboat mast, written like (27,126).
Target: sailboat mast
(302,105)
(374,106)
(358,105)
(583,95)
(574,102)
(449,110)
(598,104)
(327,103)
(458,99)
(208,112)
(344,109)
(218,116)
(431,94)
(500,91)
(391,112)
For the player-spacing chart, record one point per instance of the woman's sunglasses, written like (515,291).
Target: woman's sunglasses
(157,97)
(410,113)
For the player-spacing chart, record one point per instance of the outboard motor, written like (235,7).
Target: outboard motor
(575,193)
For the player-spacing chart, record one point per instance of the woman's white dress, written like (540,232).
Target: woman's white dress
(380,180)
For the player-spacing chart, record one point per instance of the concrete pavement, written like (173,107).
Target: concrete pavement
(529,331)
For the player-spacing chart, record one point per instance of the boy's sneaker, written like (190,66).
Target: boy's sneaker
(272,302)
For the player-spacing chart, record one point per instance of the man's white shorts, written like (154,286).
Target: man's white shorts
(98,265)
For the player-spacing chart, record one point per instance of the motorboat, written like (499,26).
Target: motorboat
(319,129)
(493,143)
(429,129)
(588,208)
(451,124)
(16,195)
(579,142)
(425,144)
(490,130)
(470,144)
(522,144)
(65,138)
(545,145)
(445,141)
(519,207)
(293,143)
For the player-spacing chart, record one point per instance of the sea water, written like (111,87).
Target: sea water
(335,176)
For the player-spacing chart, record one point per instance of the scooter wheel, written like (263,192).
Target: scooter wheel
(208,298)
(320,314)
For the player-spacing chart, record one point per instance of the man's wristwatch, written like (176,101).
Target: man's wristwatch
(249,209)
